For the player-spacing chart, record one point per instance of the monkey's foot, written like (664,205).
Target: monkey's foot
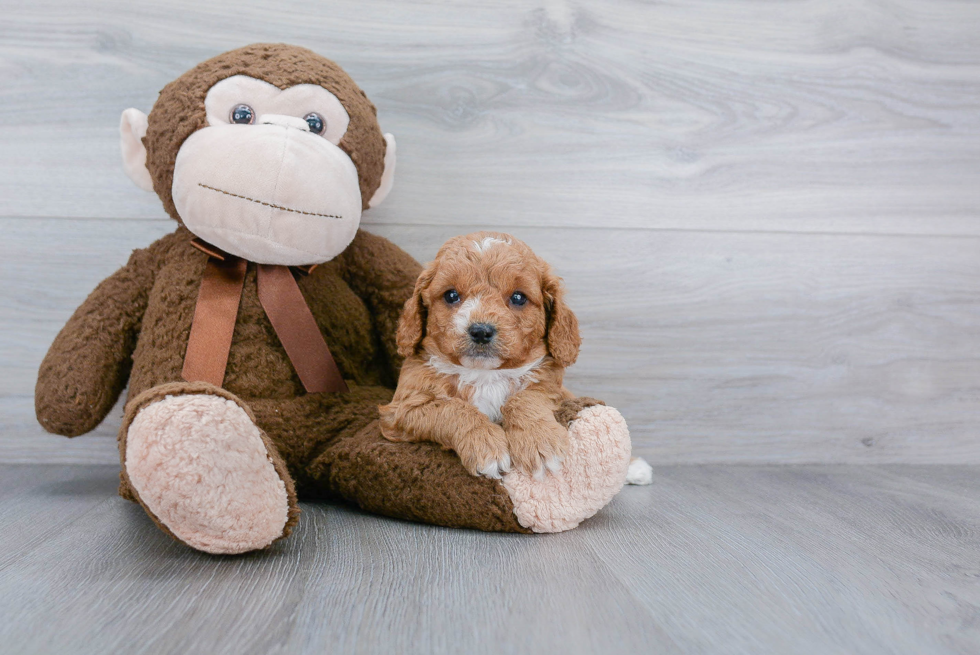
(205,473)
(593,471)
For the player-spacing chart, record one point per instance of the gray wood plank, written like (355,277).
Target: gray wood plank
(709,559)
(698,115)
(827,557)
(422,588)
(70,494)
(717,347)
(344,582)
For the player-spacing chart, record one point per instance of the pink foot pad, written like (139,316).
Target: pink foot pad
(201,468)
(593,472)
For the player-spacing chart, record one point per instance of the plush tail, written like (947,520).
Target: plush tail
(639,472)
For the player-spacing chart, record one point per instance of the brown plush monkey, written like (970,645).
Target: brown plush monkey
(259,338)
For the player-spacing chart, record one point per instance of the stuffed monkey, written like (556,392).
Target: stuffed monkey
(258,339)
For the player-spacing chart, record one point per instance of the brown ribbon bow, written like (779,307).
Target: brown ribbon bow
(283,302)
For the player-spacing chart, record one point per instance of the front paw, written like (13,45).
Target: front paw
(484,451)
(537,446)
(388,423)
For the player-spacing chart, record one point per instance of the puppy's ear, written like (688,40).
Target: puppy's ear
(411,325)
(562,329)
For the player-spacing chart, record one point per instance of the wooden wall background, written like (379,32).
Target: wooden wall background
(767,213)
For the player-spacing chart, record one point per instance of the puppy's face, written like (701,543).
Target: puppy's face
(486,307)
(487,301)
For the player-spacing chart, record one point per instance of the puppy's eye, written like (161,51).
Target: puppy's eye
(517,298)
(242,114)
(316,123)
(451,296)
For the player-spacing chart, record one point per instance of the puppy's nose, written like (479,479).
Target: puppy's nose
(482,332)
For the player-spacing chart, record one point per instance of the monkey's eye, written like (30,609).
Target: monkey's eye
(242,114)
(517,299)
(316,123)
(451,296)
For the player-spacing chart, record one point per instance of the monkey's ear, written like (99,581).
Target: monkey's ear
(388,177)
(132,129)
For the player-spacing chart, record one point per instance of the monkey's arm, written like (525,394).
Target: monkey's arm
(383,275)
(88,364)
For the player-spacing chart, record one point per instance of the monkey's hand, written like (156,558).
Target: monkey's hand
(88,364)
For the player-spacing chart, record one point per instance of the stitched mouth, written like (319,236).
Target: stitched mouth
(267,204)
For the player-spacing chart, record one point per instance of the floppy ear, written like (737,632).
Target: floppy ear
(411,325)
(562,328)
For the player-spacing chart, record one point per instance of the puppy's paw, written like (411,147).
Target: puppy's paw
(387,422)
(484,451)
(537,447)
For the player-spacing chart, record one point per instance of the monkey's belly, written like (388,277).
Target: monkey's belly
(258,366)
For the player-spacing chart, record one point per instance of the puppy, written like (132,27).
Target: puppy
(486,337)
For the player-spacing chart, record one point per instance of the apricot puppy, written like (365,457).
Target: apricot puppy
(486,337)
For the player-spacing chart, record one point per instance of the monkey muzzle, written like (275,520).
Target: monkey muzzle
(269,193)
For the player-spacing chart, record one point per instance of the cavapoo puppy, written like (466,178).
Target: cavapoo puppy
(486,337)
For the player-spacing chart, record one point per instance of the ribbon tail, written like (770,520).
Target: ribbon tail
(297,330)
(214,320)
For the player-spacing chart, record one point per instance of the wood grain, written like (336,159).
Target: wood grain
(810,116)
(766,213)
(715,346)
(802,551)
(732,559)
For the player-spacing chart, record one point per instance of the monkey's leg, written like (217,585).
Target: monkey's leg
(194,458)
(417,481)
(423,482)
(334,449)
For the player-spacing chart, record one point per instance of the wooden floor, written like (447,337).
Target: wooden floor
(766,212)
(709,559)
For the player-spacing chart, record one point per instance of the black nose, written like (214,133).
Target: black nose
(482,332)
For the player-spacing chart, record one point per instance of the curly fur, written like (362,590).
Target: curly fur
(514,382)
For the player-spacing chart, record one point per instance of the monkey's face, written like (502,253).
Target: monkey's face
(268,174)
(266,179)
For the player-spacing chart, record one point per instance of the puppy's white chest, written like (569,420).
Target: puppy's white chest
(489,394)
(488,390)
